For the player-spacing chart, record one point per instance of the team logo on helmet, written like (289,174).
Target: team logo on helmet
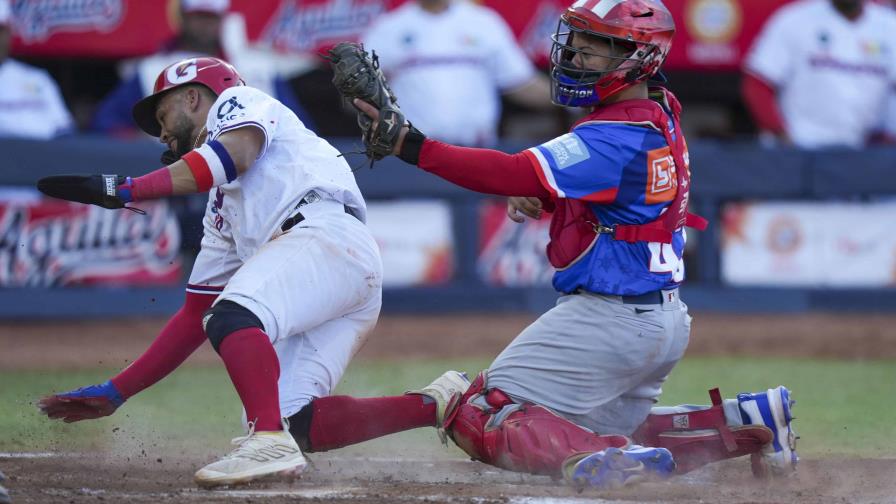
(599,7)
(185,72)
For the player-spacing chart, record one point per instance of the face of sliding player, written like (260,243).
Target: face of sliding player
(177,109)
(181,114)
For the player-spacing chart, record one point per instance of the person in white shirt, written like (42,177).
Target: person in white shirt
(208,28)
(288,281)
(449,61)
(31,105)
(821,71)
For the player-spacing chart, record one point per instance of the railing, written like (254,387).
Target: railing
(721,172)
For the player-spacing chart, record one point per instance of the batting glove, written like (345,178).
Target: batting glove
(85,403)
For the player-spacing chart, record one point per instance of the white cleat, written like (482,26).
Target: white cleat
(773,408)
(272,455)
(443,390)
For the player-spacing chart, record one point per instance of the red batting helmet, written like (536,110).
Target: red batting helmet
(639,33)
(215,74)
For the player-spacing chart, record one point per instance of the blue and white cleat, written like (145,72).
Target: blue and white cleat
(618,467)
(773,409)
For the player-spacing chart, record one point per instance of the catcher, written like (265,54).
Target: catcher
(575,390)
(287,283)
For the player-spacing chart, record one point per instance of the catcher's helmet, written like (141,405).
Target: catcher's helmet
(215,74)
(639,33)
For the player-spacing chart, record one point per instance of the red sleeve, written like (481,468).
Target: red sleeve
(762,101)
(482,170)
(179,338)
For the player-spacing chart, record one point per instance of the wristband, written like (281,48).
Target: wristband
(410,148)
(211,165)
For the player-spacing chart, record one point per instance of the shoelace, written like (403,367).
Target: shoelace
(241,443)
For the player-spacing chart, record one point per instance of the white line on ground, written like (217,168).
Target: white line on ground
(557,500)
(349,493)
(308,493)
(32,455)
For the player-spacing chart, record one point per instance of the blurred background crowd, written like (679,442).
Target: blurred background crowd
(812,73)
(789,106)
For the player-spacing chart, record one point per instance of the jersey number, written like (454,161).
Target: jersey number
(664,260)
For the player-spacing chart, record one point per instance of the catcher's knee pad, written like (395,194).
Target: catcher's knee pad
(491,428)
(225,318)
(697,438)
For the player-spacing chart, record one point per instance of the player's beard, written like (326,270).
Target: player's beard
(183,134)
(849,7)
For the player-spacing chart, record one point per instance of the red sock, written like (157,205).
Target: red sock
(339,421)
(254,370)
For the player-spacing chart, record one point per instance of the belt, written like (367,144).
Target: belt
(653,297)
(311,197)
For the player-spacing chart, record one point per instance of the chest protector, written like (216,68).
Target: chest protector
(574,225)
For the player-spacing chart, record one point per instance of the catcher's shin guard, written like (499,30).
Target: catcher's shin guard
(490,427)
(700,437)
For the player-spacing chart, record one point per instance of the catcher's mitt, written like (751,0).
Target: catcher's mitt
(357,74)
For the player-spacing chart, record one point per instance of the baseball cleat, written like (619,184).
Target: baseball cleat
(443,390)
(259,456)
(773,408)
(619,467)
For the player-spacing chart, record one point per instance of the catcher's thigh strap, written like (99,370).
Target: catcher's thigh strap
(697,438)
(490,427)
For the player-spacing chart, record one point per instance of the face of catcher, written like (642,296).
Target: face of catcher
(595,54)
(181,114)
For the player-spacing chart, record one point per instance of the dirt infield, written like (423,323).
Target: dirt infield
(340,477)
(42,345)
(337,479)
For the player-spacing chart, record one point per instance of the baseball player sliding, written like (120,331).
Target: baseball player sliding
(574,392)
(287,283)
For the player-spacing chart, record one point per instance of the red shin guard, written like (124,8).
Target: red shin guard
(697,438)
(519,437)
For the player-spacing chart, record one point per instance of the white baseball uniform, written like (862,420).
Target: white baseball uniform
(30,103)
(833,75)
(448,69)
(317,288)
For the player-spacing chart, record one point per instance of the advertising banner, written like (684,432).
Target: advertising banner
(416,241)
(46,243)
(809,244)
(512,254)
(711,34)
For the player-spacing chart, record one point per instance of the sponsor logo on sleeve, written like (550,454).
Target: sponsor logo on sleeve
(567,150)
(661,176)
(226,110)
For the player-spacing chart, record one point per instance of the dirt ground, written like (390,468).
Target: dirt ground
(43,345)
(334,477)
